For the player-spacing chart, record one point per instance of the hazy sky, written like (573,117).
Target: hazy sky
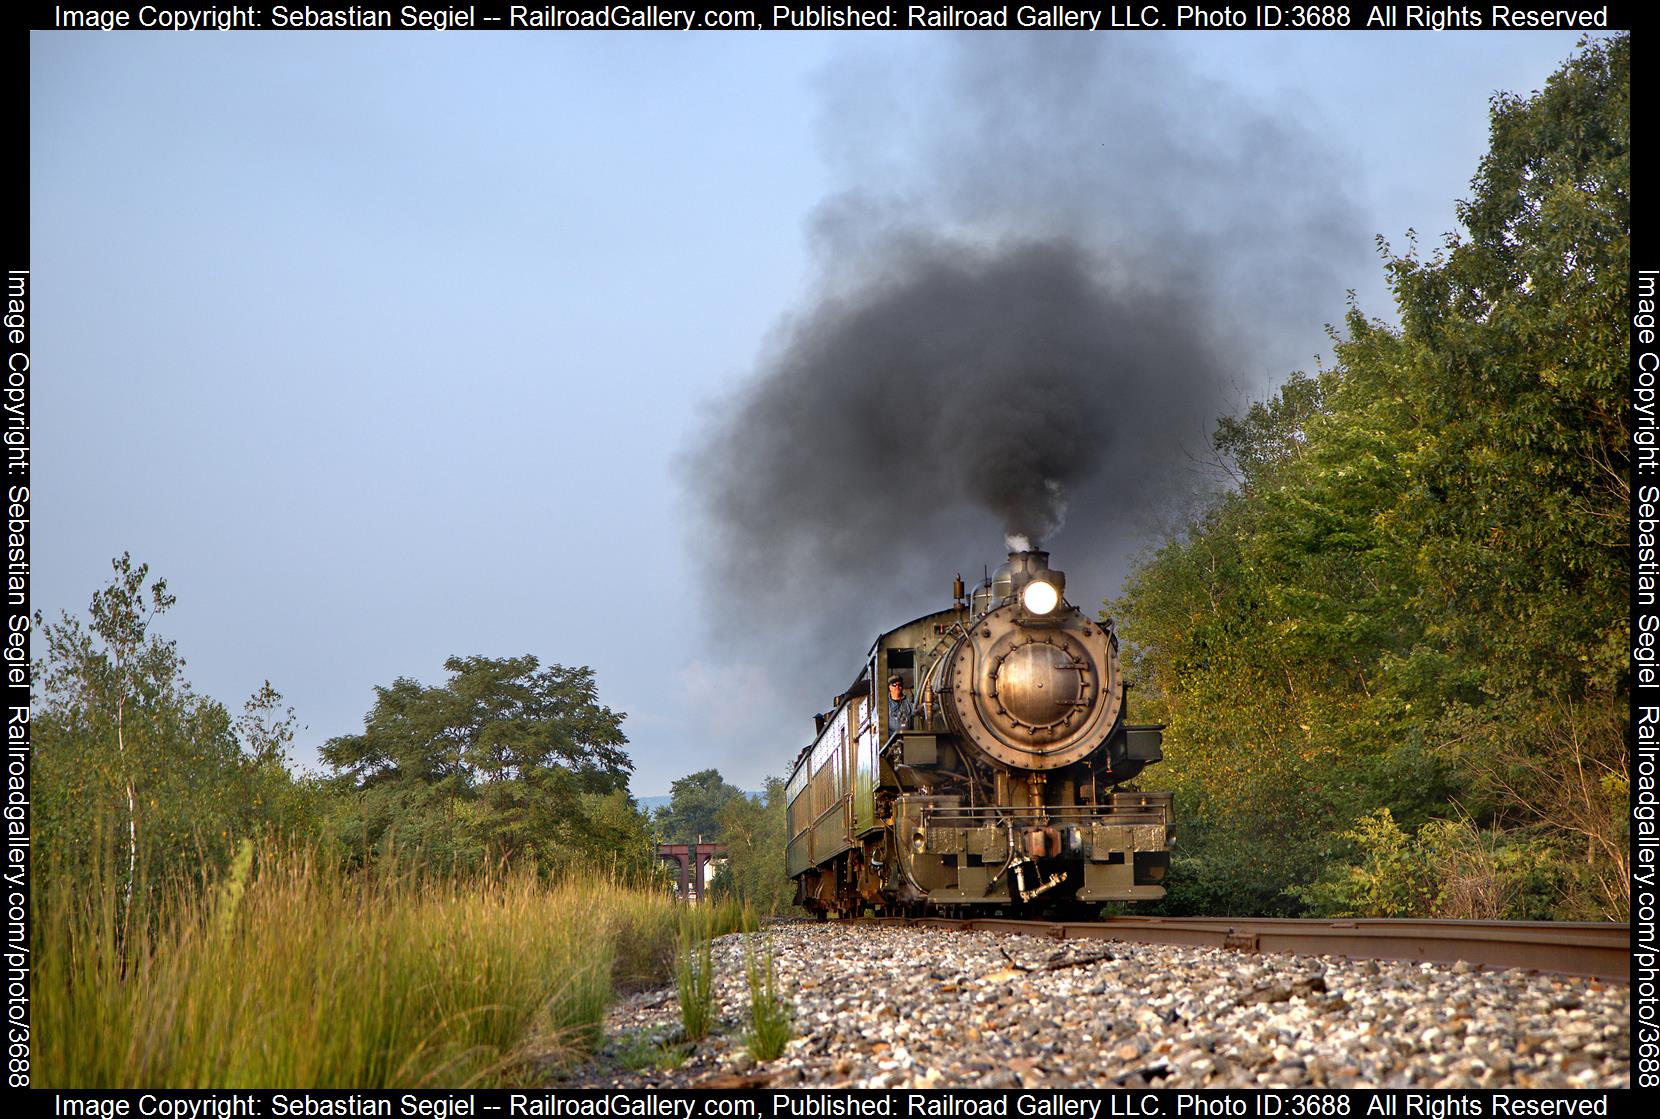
(387,347)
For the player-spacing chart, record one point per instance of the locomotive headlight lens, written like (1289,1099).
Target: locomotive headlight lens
(1040,597)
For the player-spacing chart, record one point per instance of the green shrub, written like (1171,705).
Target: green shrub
(1225,869)
(1447,868)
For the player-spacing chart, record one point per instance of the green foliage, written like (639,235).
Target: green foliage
(621,835)
(769,1013)
(693,811)
(134,773)
(1414,590)
(1219,870)
(1448,868)
(642,1052)
(1520,485)
(754,832)
(233,887)
(504,762)
(1395,877)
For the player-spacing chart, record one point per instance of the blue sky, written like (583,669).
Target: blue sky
(387,347)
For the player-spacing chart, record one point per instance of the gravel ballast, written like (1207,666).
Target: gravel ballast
(893,1007)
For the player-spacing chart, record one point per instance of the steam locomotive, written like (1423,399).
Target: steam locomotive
(997,786)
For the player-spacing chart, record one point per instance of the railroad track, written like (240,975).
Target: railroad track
(1602,951)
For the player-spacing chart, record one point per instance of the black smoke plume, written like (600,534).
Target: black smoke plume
(1056,262)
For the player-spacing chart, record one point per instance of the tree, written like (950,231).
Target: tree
(132,768)
(491,765)
(1414,591)
(1521,492)
(622,833)
(121,619)
(265,727)
(693,811)
(754,832)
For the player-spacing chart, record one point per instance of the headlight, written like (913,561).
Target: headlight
(1040,597)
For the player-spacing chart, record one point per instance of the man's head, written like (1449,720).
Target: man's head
(896,686)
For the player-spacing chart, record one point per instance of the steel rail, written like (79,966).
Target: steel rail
(1600,951)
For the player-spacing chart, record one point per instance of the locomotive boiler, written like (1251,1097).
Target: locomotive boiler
(997,783)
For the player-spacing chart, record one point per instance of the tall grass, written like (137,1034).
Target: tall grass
(695,958)
(769,1013)
(695,972)
(295,972)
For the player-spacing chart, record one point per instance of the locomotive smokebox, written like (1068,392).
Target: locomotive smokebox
(1033,684)
(1038,685)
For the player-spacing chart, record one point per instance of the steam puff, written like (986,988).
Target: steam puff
(1038,248)
(961,377)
